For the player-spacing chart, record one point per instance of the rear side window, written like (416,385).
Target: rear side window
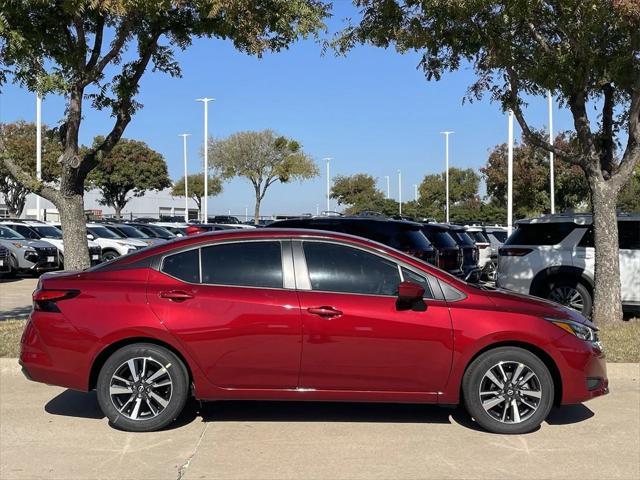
(500,236)
(248,264)
(478,237)
(540,233)
(183,266)
(463,239)
(338,268)
(396,236)
(629,235)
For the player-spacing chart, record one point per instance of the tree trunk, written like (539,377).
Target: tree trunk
(607,300)
(76,250)
(256,212)
(118,211)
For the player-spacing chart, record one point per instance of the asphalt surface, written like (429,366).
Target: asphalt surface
(49,432)
(15,297)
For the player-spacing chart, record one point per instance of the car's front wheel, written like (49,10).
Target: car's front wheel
(109,255)
(142,387)
(508,390)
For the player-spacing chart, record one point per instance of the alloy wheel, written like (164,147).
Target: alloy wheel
(568,296)
(510,392)
(141,388)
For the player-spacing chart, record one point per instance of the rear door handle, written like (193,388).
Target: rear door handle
(176,295)
(325,312)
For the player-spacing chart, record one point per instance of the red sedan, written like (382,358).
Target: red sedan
(303,315)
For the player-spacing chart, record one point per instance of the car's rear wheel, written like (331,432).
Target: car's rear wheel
(508,390)
(572,294)
(142,387)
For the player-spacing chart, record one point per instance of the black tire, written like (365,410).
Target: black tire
(507,357)
(561,291)
(174,395)
(109,255)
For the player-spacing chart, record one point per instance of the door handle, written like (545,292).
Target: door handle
(325,312)
(176,295)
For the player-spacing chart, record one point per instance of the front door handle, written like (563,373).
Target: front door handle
(324,312)
(176,295)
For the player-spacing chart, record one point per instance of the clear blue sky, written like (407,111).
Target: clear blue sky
(372,111)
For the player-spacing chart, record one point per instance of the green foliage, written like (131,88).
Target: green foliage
(463,190)
(263,158)
(195,187)
(19,143)
(531,180)
(629,198)
(130,170)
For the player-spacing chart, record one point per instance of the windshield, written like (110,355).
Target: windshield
(158,232)
(478,237)
(463,239)
(130,232)
(102,232)
(440,238)
(6,233)
(47,231)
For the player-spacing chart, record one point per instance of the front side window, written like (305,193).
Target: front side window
(8,233)
(343,269)
(184,266)
(47,231)
(409,276)
(25,231)
(249,264)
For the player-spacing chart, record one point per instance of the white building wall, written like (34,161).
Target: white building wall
(151,204)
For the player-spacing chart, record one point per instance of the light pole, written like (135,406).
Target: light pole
(415,192)
(446,175)
(205,210)
(328,159)
(38,149)
(317,209)
(399,192)
(186,178)
(510,177)
(246,213)
(388,186)
(551,173)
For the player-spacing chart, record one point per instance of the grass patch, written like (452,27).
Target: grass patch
(10,333)
(621,341)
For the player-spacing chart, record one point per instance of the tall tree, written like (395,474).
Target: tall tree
(531,185)
(263,158)
(463,188)
(129,170)
(587,52)
(19,140)
(83,49)
(359,193)
(195,188)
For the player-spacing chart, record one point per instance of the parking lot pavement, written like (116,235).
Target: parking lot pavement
(50,432)
(15,297)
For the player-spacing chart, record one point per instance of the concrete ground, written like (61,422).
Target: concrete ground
(49,432)
(15,297)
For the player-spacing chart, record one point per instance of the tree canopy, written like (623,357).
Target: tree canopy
(195,187)
(129,170)
(587,52)
(263,158)
(99,51)
(19,143)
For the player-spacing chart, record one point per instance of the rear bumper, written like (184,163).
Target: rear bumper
(60,360)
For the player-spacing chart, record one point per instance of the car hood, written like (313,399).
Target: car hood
(134,241)
(529,305)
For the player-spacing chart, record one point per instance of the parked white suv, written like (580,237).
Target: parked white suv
(111,244)
(553,257)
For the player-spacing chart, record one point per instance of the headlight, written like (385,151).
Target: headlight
(580,330)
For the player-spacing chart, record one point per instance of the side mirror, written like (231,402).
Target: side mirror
(90,237)
(410,297)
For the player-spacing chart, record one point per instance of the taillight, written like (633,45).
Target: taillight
(513,251)
(193,230)
(45,300)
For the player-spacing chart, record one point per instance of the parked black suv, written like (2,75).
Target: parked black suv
(153,231)
(449,253)
(404,236)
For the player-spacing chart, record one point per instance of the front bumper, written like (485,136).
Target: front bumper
(584,373)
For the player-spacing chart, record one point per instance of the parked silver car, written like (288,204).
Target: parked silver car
(32,256)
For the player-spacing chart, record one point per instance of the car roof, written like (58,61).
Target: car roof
(363,220)
(577,218)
